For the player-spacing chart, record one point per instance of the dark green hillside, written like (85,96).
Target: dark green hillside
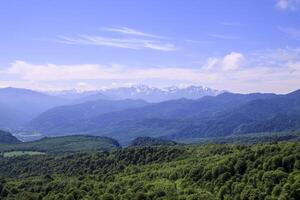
(251,138)
(150,141)
(8,138)
(181,109)
(66,144)
(279,122)
(209,172)
(279,113)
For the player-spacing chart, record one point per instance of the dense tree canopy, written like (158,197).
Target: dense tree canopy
(239,172)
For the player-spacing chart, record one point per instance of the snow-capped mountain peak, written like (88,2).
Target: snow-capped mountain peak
(145,92)
(155,94)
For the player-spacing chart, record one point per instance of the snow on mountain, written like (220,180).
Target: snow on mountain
(145,92)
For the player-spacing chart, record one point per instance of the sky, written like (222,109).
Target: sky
(239,46)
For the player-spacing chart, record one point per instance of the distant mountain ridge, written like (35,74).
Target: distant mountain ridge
(77,97)
(209,116)
(272,114)
(63,117)
(145,92)
(18,105)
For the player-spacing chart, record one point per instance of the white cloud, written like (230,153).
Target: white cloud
(288,4)
(130,31)
(231,61)
(265,71)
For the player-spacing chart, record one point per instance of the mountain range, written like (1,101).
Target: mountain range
(110,113)
(145,92)
(63,118)
(19,106)
(222,115)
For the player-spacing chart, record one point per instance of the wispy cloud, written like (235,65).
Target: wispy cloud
(288,4)
(224,37)
(231,24)
(292,32)
(128,43)
(130,31)
(140,40)
(199,41)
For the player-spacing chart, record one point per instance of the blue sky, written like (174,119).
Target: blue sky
(241,46)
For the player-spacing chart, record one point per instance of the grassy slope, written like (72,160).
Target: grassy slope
(64,144)
(21,153)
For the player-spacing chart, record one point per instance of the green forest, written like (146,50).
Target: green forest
(268,171)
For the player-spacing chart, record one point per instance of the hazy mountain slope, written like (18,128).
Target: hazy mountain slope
(8,138)
(278,123)
(280,113)
(167,118)
(9,117)
(218,116)
(92,97)
(231,113)
(76,97)
(21,105)
(183,108)
(62,118)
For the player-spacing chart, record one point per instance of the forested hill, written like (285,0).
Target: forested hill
(8,138)
(210,172)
